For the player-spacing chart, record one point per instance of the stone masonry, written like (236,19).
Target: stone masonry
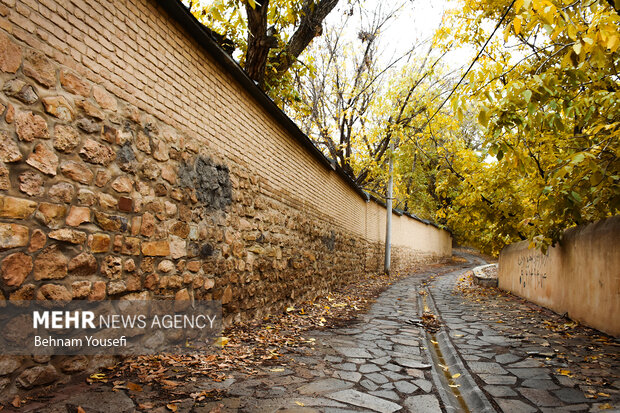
(106,194)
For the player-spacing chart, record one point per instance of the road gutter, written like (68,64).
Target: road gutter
(467,397)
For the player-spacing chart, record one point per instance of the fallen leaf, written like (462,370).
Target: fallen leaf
(299,404)
(80,410)
(456,376)
(172,407)
(134,387)
(16,402)
(277,370)
(221,341)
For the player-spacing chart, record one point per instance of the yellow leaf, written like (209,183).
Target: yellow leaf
(289,309)
(299,404)
(518,5)
(612,42)
(252,4)
(277,370)
(572,32)
(456,376)
(605,406)
(516,23)
(577,47)
(221,341)
(98,376)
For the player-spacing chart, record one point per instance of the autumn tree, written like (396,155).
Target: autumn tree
(354,102)
(268,36)
(547,97)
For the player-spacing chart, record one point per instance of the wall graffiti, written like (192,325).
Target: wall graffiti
(532,269)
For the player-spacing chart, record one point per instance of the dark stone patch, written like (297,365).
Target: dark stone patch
(330,241)
(206,250)
(126,159)
(210,181)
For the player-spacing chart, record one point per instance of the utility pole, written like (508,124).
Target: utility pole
(388,218)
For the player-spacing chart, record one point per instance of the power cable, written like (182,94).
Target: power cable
(471,65)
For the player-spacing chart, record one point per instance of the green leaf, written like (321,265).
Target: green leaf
(483,117)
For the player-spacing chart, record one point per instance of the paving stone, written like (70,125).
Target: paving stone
(507,358)
(540,397)
(405,387)
(316,402)
(387,386)
(413,364)
(486,367)
(349,375)
(422,404)
(386,394)
(369,385)
(531,373)
(105,401)
(393,375)
(393,367)
(540,384)
(381,361)
(576,408)
(514,406)
(563,380)
(333,359)
(425,385)
(492,379)
(500,391)
(570,396)
(368,401)
(368,368)
(346,366)
(323,386)
(377,378)
(354,352)
(526,363)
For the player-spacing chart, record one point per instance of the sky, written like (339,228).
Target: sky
(416,21)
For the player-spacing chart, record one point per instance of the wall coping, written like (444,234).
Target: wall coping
(204,37)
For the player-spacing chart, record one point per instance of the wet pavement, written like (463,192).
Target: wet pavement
(493,352)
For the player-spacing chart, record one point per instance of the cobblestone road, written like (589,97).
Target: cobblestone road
(493,353)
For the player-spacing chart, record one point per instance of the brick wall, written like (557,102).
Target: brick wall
(132,165)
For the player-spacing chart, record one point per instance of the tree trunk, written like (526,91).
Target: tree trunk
(258,41)
(310,26)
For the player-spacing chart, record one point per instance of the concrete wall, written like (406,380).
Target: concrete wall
(133,165)
(581,276)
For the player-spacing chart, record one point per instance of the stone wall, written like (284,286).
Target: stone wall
(133,166)
(580,276)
